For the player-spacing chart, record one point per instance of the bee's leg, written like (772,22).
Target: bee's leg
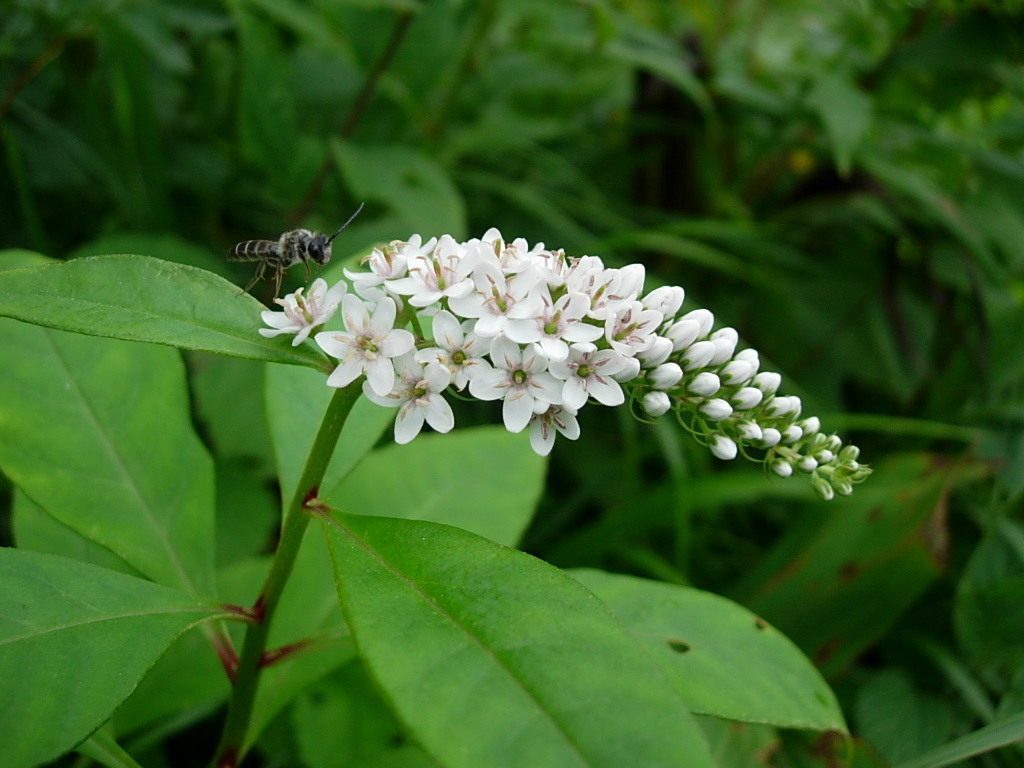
(278,274)
(255,278)
(305,265)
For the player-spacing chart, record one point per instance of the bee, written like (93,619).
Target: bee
(294,246)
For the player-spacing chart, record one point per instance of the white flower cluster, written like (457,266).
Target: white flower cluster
(546,334)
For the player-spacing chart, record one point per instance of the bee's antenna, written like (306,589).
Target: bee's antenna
(329,239)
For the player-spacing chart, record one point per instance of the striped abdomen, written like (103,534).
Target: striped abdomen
(255,250)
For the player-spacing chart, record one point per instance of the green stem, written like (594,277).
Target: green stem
(229,752)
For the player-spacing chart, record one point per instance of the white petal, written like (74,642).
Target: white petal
(381,375)
(606,391)
(346,372)
(439,414)
(398,342)
(408,423)
(516,411)
(542,437)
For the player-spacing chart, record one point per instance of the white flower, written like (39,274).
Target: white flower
(416,393)
(543,427)
(631,328)
(555,325)
(587,373)
(750,430)
(520,378)
(458,349)
(303,313)
(388,263)
(443,273)
(497,297)
(367,345)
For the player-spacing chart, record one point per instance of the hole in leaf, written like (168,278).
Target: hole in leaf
(678,645)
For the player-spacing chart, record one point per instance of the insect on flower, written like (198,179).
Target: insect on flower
(294,246)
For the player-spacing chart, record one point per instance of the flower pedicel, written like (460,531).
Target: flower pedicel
(547,334)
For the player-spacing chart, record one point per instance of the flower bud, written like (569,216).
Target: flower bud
(723,448)
(667,299)
(770,437)
(725,341)
(704,319)
(807,464)
(657,353)
(750,430)
(782,468)
(697,355)
(716,409)
(656,403)
(683,333)
(737,373)
(823,487)
(665,376)
(823,457)
(792,433)
(704,384)
(747,398)
(849,454)
(767,381)
(811,425)
(629,371)
(749,356)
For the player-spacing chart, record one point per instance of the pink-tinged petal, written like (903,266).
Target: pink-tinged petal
(533,361)
(542,437)
(380,373)
(606,391)
(398,342)
(566,423)
(439,414)
(383,317)
(408,423)
(346,372)
(516,411)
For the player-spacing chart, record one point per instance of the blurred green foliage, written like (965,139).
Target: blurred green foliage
(841,181)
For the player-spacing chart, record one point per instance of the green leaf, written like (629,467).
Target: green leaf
(492,657)
(845,111)
(409,181)
(138,298)
(98,433)
(74,641)
(722,659)
(297,400)
(897,720)
(836,584)
(999,734)
(451,479)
